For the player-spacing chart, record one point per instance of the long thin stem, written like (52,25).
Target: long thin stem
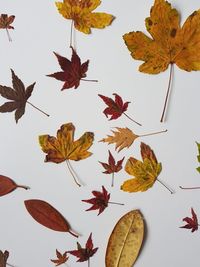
(89,262)
(168,91)
(73,175)
(75,235)
(172,192)
(112,183)
(89,80)
(23,186)
(188,188)
(132,119)
(71,34)
(38,109)
(110,202)
(8,34)
(164,131)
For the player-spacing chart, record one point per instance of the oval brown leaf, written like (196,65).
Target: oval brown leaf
(7,185)
(125,240)
(47,215)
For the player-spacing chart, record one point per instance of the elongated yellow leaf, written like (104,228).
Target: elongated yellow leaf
(125,241)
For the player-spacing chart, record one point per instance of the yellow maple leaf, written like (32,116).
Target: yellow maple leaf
(64,148)
(170,44)
(80,12)
(145,172)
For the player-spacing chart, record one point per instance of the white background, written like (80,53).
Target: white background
(40,30)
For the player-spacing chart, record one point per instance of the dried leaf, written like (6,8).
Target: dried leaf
(5,23)
(84,254)
(144,172)
(198,157)
(64,148)
(170,44)
(191,223)
(80,12)
(125,241)
(3,258)
(47,215)
(61,258)
(72,71)
(19,97)
(7,185)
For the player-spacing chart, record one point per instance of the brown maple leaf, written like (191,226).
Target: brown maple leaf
(19,97)
(191,223)
(61,258)
(112,166)
(72,71)
(3,258)
(5,23)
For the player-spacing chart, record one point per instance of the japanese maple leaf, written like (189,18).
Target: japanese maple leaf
(72,71)
(170,44)
(5,23)
(19,97)
(84,254)
(61,258)
(99,201)
(64,147)
(112,166)
(144,173)
(80,12)
(191,223)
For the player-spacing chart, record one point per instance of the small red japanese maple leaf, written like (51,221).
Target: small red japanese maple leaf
(111,166)
(5,23)
(61,258)
(192,223)
(72,71)
(84,254)
(115,107)
(100,200)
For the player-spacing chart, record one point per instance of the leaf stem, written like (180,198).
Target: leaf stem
(89,262)
(168,91)
(73,175)
(23,186)
(112,183)
(132,119)
(75,235)
(89,80)
(116,203)
(171,191)
(71,33)
(188,188)
(8,34)
(38,109)
(164,131)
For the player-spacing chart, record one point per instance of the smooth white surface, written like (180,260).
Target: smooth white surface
(40,30)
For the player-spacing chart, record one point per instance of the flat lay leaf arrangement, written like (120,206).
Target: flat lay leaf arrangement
(169,44)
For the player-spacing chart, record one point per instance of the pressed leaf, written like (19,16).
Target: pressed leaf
(19,97)
(61,258)
(5,23)
(191,223)
(170,44)
(80,12)
(7,185)
(125,240)
(124,138)
(198,157)
(47,215)
(72,71)
(3,258)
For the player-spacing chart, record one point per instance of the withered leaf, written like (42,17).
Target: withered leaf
(47,215)
(19,97)
(7,185)
(61,258)
(64,147)
(191,223)
(125,240)
(5,23)
(3,258)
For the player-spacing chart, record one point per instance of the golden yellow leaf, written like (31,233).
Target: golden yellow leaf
(169,43)
(80,12)
(125,241)
(144,172)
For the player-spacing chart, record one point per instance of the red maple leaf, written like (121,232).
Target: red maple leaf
(111,166)
(61,258)
(115,107)
(84,253)
(72,71)
(192,223)
(99,201)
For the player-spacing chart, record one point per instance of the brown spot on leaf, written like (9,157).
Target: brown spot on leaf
(173,33)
